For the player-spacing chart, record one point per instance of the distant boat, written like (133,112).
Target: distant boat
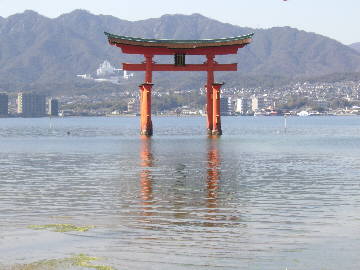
(303,113)
(315,114)
(259,114)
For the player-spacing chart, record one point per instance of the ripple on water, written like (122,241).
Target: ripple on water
(249,200)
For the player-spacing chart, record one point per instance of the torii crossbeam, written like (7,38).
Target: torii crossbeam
(180,48)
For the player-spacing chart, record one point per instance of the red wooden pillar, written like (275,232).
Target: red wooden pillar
(216,110)
(146,128)
(148,63)
(209,85)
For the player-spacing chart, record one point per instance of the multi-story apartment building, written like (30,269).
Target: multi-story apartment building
(4,104)
(53,107)
(257,103)
(243,105)
(31,105)
(225,106)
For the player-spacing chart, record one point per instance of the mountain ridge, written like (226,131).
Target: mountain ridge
(35,49)
(355,46)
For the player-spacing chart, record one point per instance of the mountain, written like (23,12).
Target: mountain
(356,46)
(36,51)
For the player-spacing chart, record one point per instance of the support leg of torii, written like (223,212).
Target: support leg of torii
(146,128)
(209,93)
(216,121)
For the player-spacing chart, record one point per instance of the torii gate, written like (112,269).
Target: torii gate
(180,48)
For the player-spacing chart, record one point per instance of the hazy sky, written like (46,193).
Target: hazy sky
(338,19)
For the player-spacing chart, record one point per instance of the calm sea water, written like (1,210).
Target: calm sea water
(259,197)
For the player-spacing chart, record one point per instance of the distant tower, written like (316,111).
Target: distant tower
(4,104)
(31,104)
(53,107)
(105,69)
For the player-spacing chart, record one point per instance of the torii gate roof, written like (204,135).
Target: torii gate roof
(170,46)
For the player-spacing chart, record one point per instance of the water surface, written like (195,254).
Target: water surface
(259,197)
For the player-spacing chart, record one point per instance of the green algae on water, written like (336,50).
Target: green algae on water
(54,264)
(61,227)
(84,261)
(79,261)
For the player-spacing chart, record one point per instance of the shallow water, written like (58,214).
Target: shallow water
(259,197)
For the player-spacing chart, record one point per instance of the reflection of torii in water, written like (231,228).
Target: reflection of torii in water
(213,184)
(213,177)
(145,175)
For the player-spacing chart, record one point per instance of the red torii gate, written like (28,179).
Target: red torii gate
(180,48)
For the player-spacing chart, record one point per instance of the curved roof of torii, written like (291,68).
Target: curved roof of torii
(238,41)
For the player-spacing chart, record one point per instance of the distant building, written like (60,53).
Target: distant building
(85,76)
(134,105)
(243,105)
(53,107)
(225,106)
(321,103)
(105,69)
(107,73)
(31,105)
(4,104)
(127,76)
(232,106)
(269,103)
(257,103)
(185,110)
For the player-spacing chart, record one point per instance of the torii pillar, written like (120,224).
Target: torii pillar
(146,127)
(216,114)
(209,92)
